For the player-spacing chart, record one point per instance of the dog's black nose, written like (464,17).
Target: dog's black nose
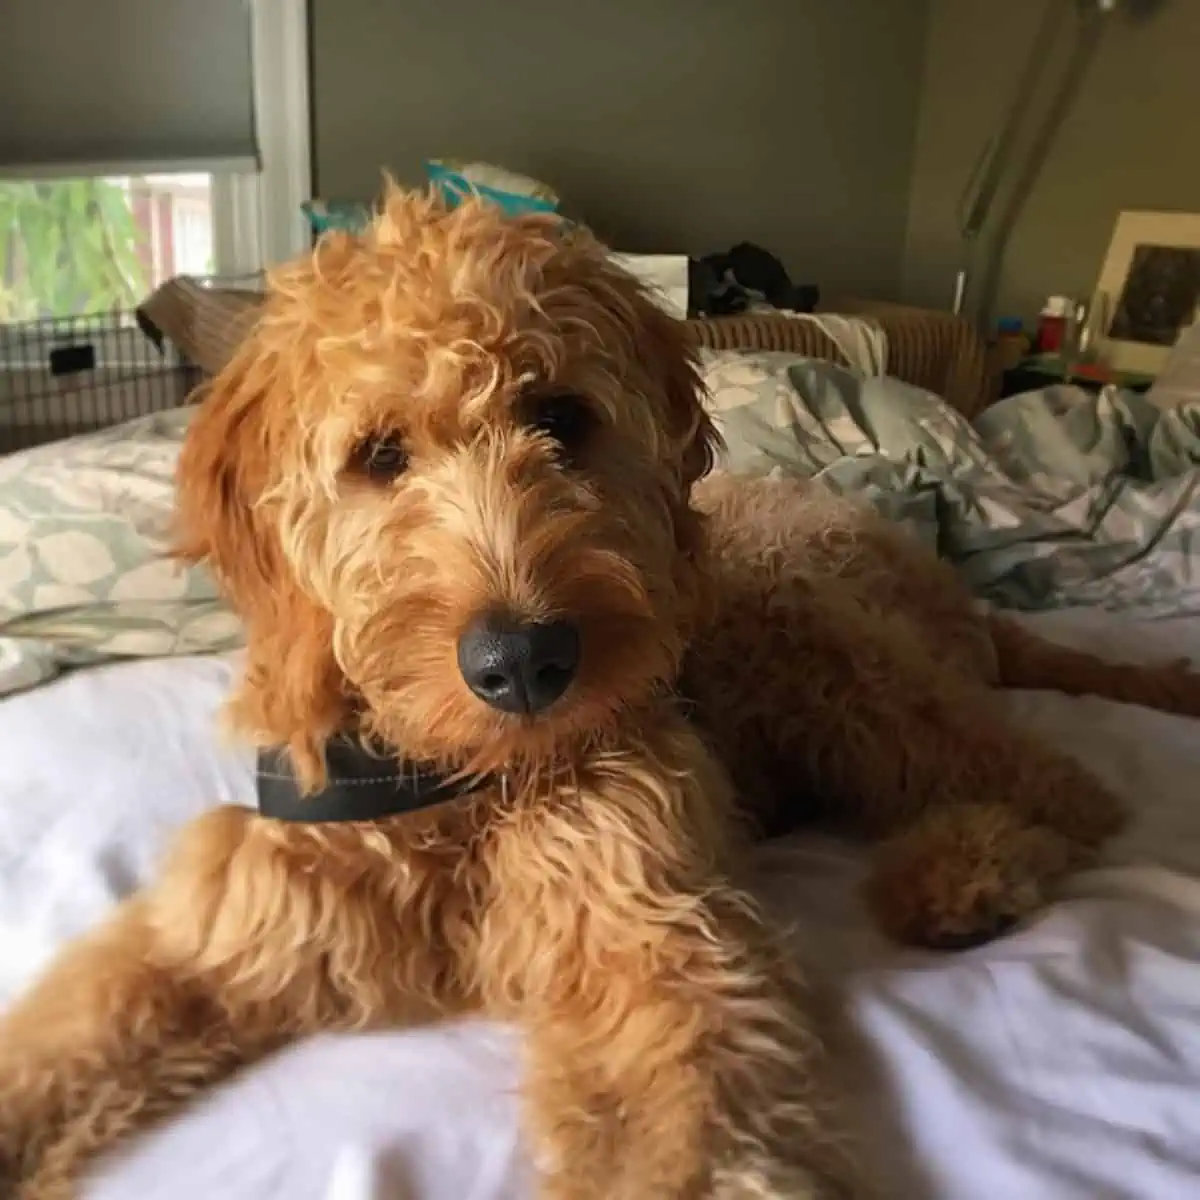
(518,667)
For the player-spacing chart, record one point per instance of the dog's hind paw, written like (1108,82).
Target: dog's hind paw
(961,876)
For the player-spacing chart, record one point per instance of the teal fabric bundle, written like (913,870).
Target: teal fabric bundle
(455,180)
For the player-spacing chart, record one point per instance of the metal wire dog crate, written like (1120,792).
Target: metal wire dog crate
(62,377)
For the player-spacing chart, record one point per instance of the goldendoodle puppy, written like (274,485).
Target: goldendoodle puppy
(448,484)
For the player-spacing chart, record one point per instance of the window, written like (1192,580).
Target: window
(74,247)
(102,219)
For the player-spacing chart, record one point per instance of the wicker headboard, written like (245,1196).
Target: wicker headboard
(933,350)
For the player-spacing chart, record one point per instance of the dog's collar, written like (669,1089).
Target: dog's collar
(359,786)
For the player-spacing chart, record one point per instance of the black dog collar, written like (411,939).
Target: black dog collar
(360,786)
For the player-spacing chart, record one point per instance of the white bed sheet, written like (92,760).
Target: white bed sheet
(1060,1063)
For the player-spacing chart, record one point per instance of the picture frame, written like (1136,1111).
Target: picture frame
(1149,286)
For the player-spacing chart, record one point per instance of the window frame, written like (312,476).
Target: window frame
(283,121)
(256,203)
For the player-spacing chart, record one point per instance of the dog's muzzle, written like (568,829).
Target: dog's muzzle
(519,667)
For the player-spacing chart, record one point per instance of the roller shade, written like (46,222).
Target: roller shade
(124,84)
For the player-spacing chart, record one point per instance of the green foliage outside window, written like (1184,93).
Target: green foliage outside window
(67,247)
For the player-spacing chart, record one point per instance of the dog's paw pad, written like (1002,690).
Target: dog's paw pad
(949,939)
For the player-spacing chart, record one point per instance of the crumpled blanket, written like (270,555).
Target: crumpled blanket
(1050,499)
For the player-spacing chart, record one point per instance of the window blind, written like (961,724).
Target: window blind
(124,85)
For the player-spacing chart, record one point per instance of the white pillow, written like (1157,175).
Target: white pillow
(665,274)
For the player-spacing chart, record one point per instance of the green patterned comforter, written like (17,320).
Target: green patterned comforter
(85,570)
(1050,499)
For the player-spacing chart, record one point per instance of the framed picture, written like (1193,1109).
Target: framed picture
(1150,288)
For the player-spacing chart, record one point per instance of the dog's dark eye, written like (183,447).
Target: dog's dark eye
(380,458)
(564,417)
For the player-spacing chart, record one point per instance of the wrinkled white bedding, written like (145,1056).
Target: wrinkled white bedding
(1061,1063)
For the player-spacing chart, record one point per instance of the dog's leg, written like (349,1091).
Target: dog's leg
(696,1079)
(881,734)
(231,954)
(897,735)
(1026,660)
(112,1038)
(671,1046)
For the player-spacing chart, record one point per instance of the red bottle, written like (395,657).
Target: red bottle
(1052,325)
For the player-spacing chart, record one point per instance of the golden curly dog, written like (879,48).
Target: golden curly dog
(448,483)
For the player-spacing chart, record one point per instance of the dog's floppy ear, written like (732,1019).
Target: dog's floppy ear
(293,693)
(663,346)
(668,353)
(669,350)
(222,474)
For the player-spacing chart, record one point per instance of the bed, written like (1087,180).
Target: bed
(1058,1063)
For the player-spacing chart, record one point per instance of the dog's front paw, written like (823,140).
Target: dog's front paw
(961,876)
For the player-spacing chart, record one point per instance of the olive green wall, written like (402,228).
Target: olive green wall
(1131,140)
(671,125)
